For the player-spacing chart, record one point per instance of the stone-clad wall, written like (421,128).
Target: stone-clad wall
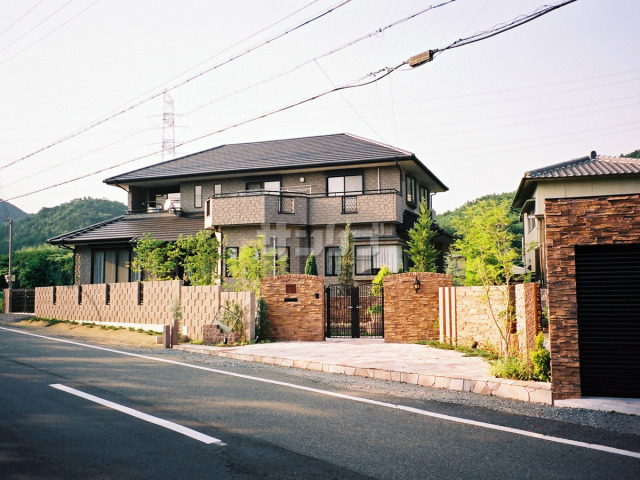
(466,315)
(299,314)
(410,316)
(151,308)
(570,222)
(528,314)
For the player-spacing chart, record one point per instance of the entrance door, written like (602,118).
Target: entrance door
(354,311)
(608,295)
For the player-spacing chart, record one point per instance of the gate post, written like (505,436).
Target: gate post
(355,312)
(327,302)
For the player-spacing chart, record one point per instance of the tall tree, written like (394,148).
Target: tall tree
(486,243)
(155,258)
(199,256)
(346,260)
(254,262)
(421,250)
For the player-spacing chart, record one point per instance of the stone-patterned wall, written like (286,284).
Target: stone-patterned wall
(466,317)
(410,316)
(527,317)
(295,315)
(569,222)
(120,305)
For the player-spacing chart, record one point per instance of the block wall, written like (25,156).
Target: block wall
(410,316)
(295,307)
(121,306)
(570,222)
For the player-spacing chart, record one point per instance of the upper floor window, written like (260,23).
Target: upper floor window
(268,186)
(346,184)
(423,194)
(197,196)
(531,222)
(332,256)
(217,190)
(411,190)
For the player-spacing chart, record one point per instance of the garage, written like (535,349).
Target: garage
(608,311)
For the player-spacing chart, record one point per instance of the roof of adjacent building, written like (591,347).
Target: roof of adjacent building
(295,153)
(128,228)
(589,166)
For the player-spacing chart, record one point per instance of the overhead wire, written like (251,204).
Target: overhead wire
(14,23)
(128,108)
(49,33)
(362,81)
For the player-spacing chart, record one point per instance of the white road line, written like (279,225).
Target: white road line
(515,431)
(142,416)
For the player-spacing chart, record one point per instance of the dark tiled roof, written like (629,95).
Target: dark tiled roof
(338,149)
(126,228)
(587,166)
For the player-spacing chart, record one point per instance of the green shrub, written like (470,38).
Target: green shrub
(512,367)
(262,325)
(541,358)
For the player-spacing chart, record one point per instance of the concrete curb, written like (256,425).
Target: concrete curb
(536,392)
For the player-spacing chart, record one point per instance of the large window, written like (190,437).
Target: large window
(332,256)
(229,253)
(369,258)
(347,184)
(110,265)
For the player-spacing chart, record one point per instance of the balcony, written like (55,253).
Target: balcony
(257,207)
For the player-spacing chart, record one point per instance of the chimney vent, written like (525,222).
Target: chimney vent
(593,154)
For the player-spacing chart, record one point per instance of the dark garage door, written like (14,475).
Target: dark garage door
(608,293)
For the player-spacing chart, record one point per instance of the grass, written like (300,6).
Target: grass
(53,321)
(468,352)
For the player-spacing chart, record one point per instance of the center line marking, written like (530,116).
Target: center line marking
(143,416)
(426,413)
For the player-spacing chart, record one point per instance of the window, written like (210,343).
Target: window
(229,253)
(531,222)
(369,258)
(332,256)
(110,265)
(267,186)
(217,190)
(351,184)
(283,252)
(423,195)
(167,201)
(197,196)
(411,190)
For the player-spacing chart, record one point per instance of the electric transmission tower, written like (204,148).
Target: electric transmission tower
(168,130)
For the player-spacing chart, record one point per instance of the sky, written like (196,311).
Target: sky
(82,86)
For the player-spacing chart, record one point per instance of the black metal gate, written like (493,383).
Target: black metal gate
(354,311)
(607,279)
(22,301)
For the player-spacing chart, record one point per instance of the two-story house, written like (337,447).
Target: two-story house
(299,193)
(591,176)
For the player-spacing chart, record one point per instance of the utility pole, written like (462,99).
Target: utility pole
(168,131)
(10,280)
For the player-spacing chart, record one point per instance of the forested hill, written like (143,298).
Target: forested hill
(445,220)
(34,229)
(10,211)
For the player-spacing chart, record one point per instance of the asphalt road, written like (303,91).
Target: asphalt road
(244,422)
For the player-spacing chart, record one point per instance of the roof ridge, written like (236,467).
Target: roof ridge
(555,166)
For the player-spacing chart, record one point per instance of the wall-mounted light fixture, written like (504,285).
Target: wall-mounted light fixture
(416,285)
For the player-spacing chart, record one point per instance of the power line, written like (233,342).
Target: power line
(184,82)
(326,54)
(49,33)
(20,19)
(378,75)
